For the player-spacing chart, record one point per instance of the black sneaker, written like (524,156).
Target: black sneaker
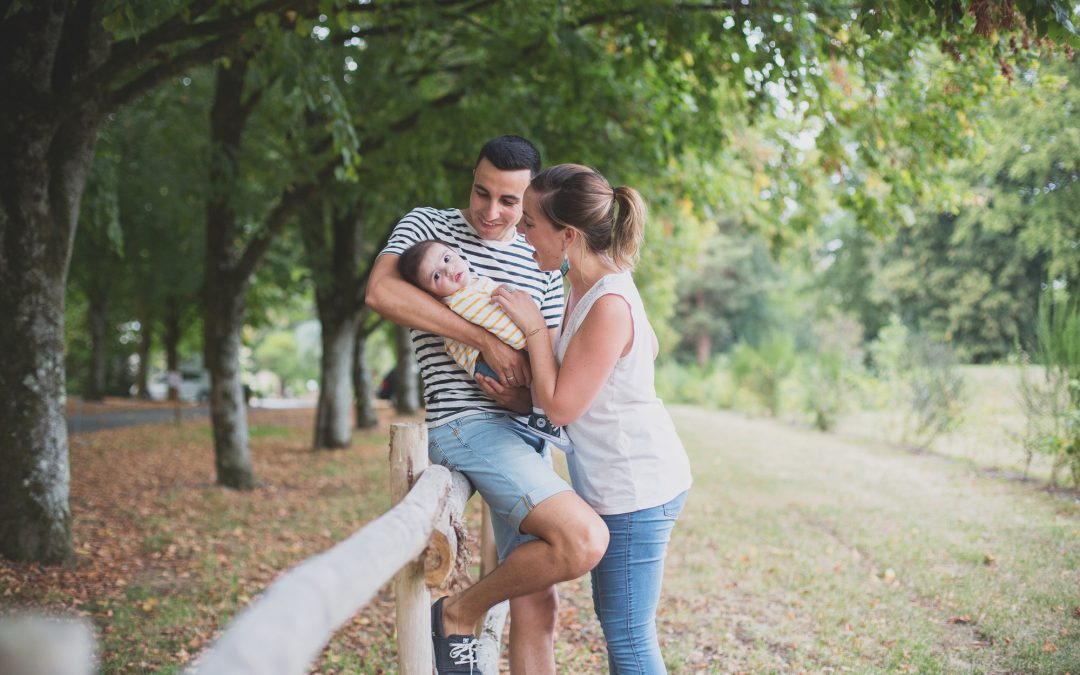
(453,653)
(541,426)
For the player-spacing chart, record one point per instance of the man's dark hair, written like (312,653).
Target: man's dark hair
(511,153)
(410,259)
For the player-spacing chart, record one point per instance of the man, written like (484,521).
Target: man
(544,532)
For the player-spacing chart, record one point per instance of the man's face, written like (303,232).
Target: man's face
(442,271)
(495,201)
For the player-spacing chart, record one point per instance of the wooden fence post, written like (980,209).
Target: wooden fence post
(489,557)
(408,457)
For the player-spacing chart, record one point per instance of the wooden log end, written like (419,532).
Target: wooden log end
(439,558)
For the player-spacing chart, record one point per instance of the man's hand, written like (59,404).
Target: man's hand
(518,399)
(511,365)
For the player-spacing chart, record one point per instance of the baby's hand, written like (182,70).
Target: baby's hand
(521,307)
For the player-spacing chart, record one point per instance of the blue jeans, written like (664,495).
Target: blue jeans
(626,586)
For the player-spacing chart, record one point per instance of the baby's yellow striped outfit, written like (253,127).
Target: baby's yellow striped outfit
(473,303)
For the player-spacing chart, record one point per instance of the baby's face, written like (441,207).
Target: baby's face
(442,271)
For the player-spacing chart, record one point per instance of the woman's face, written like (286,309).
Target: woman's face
(550,244)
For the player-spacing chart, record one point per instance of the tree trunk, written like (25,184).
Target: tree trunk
(95,386)
(333,423)
(45,157)
(362,386)
(172,341)
(35,518)
(146,337)
(703,349)
(224,287)
(406,385)
(228,414)
(333,261)
(704,341)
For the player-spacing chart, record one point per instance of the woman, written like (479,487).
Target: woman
(626,460)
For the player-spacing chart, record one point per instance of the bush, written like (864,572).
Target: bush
(687,383)
(919,377)
(1052,401)
(823,392)
(828,375)
(762,370)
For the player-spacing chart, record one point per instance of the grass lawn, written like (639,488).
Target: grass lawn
(991,426)
(802,551)
(797,552)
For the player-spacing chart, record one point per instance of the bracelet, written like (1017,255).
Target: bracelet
(533,332)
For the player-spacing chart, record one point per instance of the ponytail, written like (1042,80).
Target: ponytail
(628,230)
(612,221)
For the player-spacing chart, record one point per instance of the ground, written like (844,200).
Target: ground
(797,552)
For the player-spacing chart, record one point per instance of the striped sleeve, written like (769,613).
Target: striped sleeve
(417,225)
(554,301)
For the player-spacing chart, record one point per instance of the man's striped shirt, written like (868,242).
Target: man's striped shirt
(449,392)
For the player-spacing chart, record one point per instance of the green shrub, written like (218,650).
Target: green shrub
(828,375)
(761,370)
(1051,400)
(821,379)
(918,377)
(687,383)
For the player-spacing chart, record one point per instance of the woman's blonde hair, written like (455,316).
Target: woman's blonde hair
(611,219)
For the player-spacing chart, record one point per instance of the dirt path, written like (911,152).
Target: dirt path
(801,551)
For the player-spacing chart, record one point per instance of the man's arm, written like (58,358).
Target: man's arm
(396,299)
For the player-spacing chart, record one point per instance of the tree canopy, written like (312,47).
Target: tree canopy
(257,114)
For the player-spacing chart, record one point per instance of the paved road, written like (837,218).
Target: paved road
(80,422)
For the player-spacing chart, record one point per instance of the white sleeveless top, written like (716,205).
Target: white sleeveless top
(625,453)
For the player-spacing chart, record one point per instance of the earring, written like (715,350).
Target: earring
(564,268)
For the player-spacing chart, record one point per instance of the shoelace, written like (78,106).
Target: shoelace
(465,652)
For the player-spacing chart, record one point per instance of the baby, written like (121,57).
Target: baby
(434,266)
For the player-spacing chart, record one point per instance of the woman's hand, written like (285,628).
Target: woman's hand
(522,309)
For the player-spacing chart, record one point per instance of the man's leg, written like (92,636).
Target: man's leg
(533,619)
(571,540)
(505,463)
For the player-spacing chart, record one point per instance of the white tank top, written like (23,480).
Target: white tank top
(625,454)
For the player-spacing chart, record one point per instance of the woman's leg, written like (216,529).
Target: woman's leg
(626,586)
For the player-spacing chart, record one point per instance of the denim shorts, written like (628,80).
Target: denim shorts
(509,467)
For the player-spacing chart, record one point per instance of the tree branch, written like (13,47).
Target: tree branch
(133,52)
(254,97)
(275,221)
(149,79)
(367,326)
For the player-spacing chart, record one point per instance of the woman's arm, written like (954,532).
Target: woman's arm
(602,338)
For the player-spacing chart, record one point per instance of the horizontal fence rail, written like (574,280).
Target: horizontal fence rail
(283,631)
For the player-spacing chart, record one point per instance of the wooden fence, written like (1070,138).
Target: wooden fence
(417,543)
(283,631)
